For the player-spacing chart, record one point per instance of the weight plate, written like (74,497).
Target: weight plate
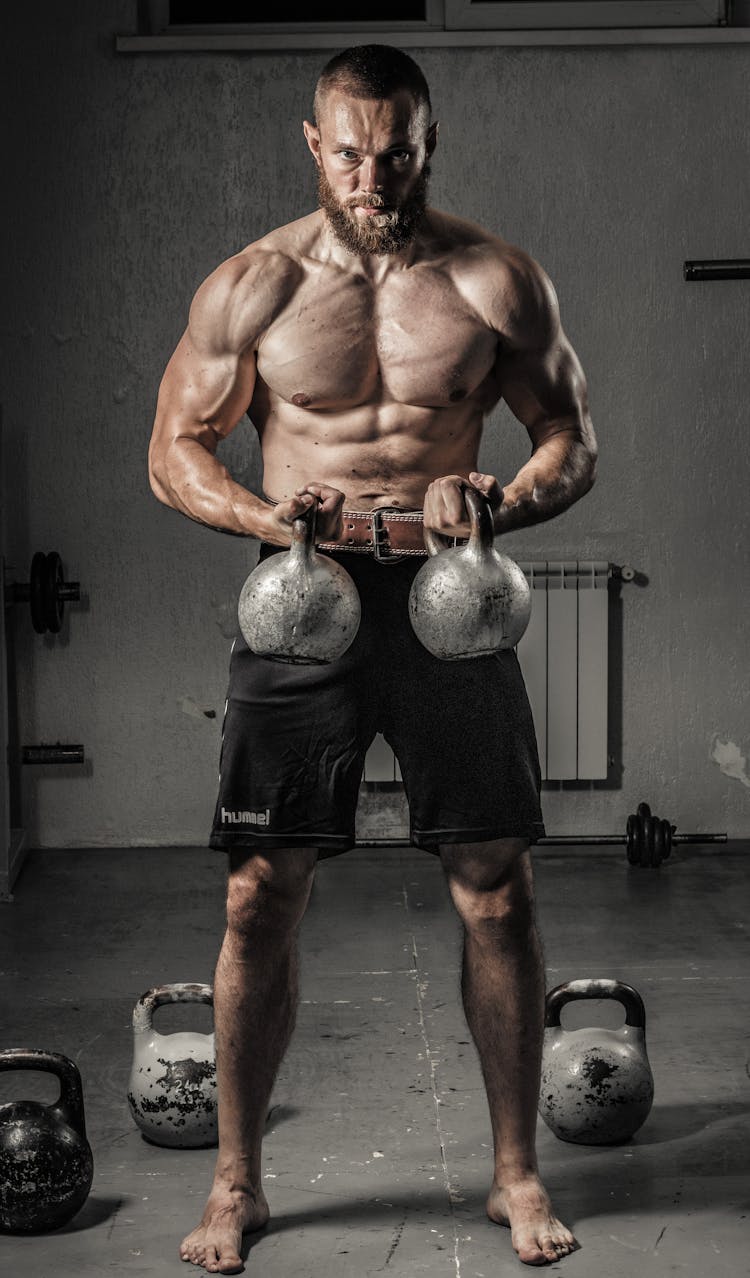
(37,591)
(635,841)
(668,832)
(659,852)
(53,604)
(648,826)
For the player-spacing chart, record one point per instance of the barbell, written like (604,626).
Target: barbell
(46,592)
(648,839)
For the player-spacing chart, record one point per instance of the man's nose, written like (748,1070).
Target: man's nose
(370,175)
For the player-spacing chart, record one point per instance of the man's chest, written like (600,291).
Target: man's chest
(342,342)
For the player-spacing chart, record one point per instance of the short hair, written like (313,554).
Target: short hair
(371,71)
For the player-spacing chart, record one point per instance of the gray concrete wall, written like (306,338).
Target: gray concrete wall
(131,177)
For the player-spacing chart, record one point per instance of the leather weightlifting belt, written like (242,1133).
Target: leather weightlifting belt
(386,533)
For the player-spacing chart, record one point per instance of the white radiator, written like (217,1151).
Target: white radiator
(563,656)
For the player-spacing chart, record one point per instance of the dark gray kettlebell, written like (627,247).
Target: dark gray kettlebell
(301,607)
(596,1087)
(46,1164)
(469,601)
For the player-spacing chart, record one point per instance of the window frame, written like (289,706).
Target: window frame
(154,20)
(474,15)
(590,15)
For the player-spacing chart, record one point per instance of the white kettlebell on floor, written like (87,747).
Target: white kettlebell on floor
(596,1086)
(172,1093)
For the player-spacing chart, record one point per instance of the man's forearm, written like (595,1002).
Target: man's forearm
(193,481)
(560,470)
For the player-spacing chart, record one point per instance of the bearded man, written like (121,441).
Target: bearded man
(367,342)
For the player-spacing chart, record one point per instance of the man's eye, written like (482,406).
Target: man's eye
(348,155)
(399,155)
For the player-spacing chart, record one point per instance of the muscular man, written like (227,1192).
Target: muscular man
(367,341)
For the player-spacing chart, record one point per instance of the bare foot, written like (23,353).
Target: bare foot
(216,1243)
(537,1235)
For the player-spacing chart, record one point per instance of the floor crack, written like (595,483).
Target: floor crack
(420,987)
(113,1221)
(394,1244)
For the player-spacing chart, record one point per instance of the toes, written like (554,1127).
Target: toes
(231,1265)
(557,1251)
(543,1252)
(531,1255)
(529,1251)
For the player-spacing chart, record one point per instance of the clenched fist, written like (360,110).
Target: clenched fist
(445,509)
(328,525)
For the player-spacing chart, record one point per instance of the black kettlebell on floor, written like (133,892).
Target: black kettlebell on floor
(596,1086)
(469,601)
(46,1165)
(301,608)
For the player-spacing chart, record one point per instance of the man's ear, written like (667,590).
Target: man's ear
(432,137)
(312,137)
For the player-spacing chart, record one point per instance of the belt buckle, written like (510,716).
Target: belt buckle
(380,537)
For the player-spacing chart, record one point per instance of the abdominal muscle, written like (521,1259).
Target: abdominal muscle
(376,456)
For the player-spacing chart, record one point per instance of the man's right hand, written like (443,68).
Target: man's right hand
(328,525)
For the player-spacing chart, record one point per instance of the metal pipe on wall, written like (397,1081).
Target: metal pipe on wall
(729,269)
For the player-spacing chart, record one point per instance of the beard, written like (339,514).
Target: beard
(386,232)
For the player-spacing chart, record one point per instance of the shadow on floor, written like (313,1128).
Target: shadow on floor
(679,1162)
(668,1123)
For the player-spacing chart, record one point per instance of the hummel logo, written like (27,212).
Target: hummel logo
(246,818)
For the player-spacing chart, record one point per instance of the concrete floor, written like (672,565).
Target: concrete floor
(377,1157)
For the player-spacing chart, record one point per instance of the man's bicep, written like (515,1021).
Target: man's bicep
(537,371)
(209,381)
(203,393)
(545,388)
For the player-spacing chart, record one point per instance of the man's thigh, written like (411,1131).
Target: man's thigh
(293,742)
(465,740)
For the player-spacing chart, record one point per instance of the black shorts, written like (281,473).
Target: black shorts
(295,737)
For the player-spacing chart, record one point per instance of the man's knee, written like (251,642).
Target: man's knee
(269,892)
(491,885)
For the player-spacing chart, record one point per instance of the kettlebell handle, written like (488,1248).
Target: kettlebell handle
(482,533)
(143,1012)
(570,991)
(69,1104)
(303,528)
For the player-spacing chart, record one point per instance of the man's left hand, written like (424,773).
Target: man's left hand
(445,509)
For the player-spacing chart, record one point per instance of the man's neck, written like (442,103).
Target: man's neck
(375,266)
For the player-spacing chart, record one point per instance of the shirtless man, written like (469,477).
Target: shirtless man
(367,341)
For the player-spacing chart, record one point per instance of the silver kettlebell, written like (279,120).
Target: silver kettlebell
(470,600)
(596,1086)
(172,1093)
(301,607)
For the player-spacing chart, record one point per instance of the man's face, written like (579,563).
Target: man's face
(372,169)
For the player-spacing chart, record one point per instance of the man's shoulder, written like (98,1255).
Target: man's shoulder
(473,246)
(293,240)
(503,281)
(240,298)
(264,263)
